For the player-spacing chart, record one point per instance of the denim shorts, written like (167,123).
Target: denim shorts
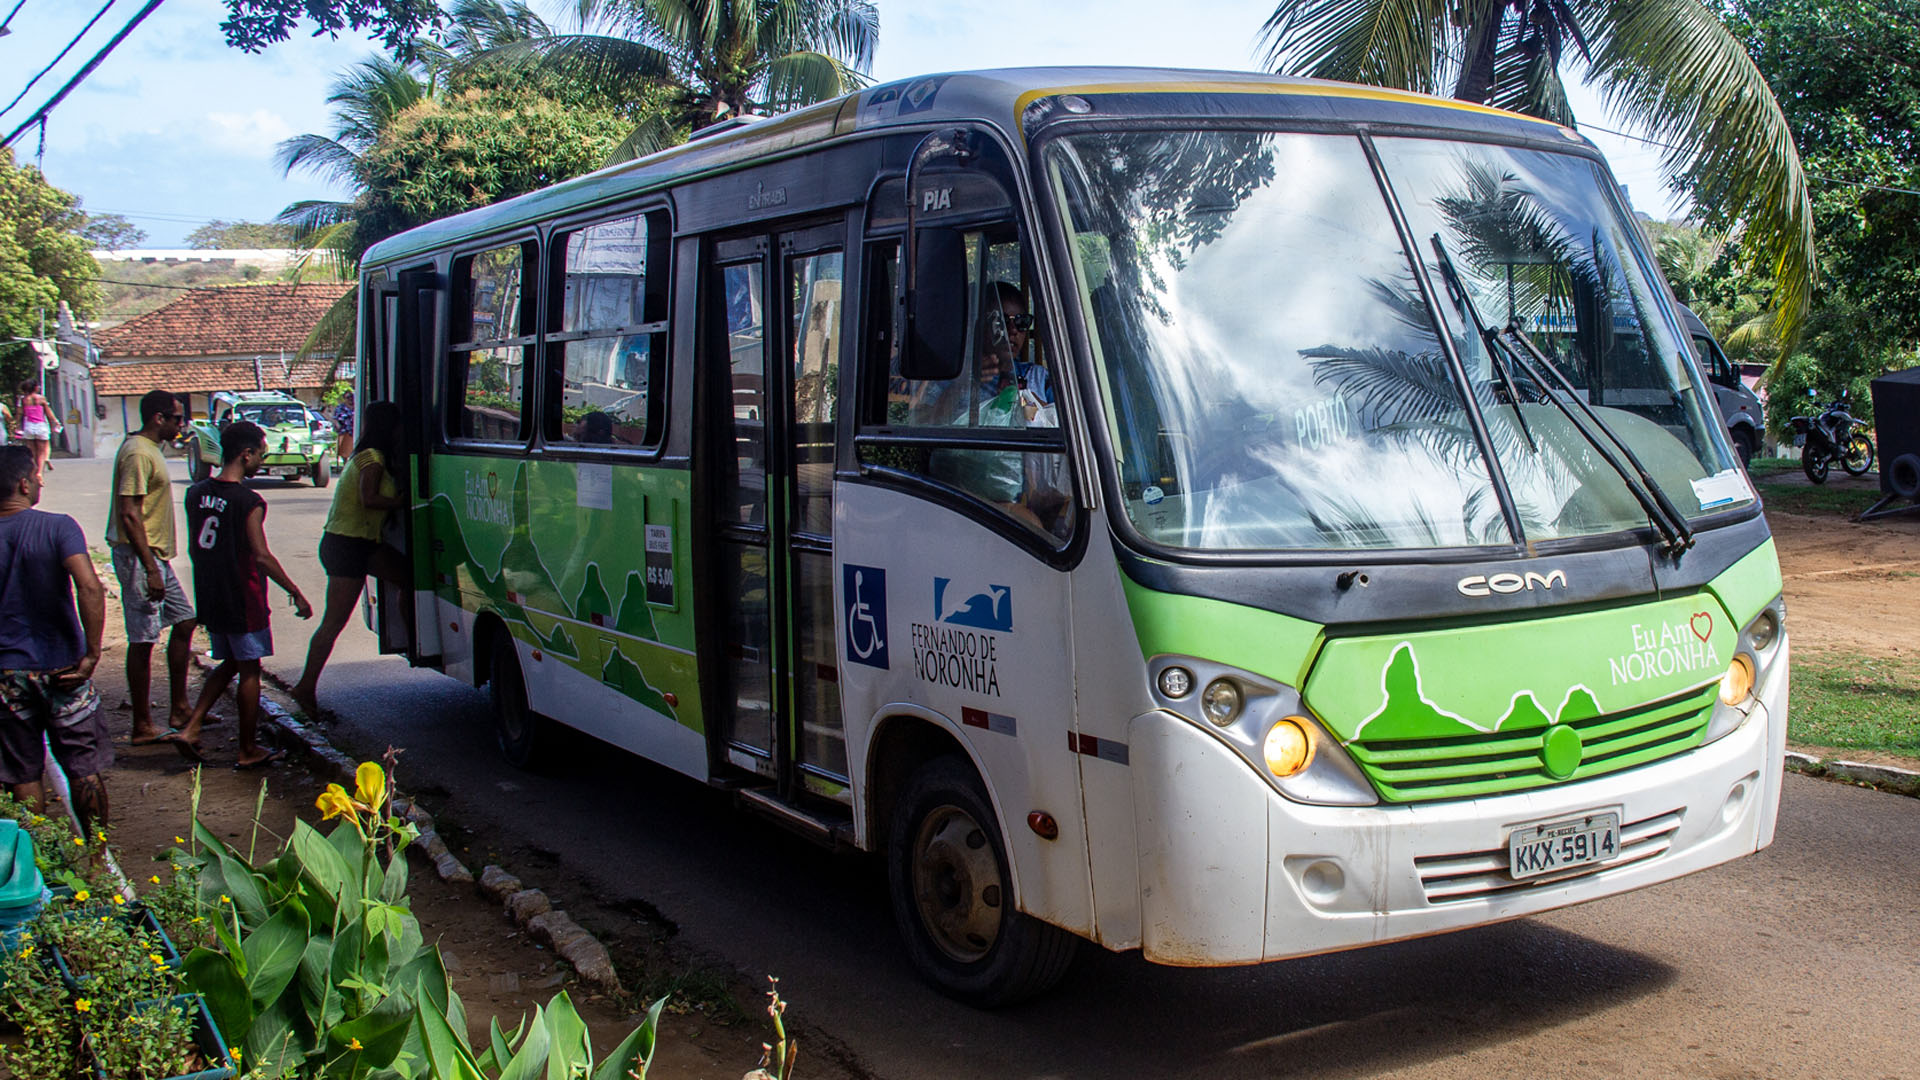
(256,645)
(145,618)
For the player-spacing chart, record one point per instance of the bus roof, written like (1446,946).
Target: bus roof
(1000,97)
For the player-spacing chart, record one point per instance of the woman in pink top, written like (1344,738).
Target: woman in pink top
(36,423)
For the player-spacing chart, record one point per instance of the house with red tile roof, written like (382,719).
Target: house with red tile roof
(227,337)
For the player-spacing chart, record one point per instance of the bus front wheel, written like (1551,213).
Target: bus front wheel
(525,737)
(947,874)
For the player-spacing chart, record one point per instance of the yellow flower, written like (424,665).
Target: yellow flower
(370,784)
(77,842)
(334,802)
(118,899)
(225,899)
(179,840)
(100,836)
(158,960)
(83,1005)
(26,950)
(82,896)
(353,1044)
(155,879)
(235,1051)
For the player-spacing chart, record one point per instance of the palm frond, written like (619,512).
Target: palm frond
(368,95)
(1676,71)
(310,217)
(320,156)
(802,78)
(1380,42)
(335,331)
(616,65)
(653,135)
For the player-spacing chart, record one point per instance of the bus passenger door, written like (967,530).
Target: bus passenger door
(404,338)
(780,311)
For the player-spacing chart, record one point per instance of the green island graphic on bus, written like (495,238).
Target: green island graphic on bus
(519,587)
(1406,713)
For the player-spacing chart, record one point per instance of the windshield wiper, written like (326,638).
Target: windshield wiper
(1653,502)
(1679,536)
(1488,339)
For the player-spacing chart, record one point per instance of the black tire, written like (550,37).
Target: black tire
(320,474)
(1814,464)
(1746,444)
(1903,476)
(947,874)
(1858,454)
(526,738)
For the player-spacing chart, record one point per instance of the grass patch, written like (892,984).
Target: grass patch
(1855,702)
(1762,467)
(1821,501)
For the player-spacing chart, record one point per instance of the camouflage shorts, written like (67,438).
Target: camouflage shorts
(33,708)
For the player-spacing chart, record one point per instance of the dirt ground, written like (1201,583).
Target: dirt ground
(1852,587)
(497,970)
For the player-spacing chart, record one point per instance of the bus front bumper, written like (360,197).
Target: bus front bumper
(1231,872)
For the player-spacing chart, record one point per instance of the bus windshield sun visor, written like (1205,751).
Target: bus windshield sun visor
(1660,510)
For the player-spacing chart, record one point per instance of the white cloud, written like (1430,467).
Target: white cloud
(252,134)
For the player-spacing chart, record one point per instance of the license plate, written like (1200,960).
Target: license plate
(1556,846)
(286,470)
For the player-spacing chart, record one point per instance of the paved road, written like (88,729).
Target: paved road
(1801,962)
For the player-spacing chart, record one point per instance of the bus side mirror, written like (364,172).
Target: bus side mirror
(936,306)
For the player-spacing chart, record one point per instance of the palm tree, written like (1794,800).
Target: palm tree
(722,58)
(1670,66)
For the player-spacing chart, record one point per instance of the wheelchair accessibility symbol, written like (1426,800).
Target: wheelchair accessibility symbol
(863,590)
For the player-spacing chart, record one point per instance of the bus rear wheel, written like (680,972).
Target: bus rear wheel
(526,738)
(947,874)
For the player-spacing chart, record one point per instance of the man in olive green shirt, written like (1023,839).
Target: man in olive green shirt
(141,533)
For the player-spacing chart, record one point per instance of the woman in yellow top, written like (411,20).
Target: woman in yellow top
(350,546)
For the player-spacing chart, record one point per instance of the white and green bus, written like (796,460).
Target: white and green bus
(1225,516)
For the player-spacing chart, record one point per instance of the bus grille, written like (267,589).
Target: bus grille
(1477,874)
(1463,766)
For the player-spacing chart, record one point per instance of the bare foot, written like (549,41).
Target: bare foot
(309,705)
(258,758)
(188,748)
(148,735)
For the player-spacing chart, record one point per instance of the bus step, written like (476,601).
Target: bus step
(833,830)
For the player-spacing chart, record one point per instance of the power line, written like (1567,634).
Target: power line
(1810,176)
(63,55)
(10,15)
(40,114)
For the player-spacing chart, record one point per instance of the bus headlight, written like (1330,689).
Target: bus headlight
(1737,684)
(1265,723)
(1761,645)
(1288,747)
(1221,702)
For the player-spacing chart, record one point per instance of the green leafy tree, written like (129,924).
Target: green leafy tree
(111,232)
(230,235)
(1847,75)
(43,260)
(719,58)
(252,25)
(1672,67)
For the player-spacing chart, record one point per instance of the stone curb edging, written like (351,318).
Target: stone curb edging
(1880,777)
(528,908)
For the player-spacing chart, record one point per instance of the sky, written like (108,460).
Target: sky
(175,128)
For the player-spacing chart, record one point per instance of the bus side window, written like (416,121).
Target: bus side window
(607,333)
(492,338)
(997,393)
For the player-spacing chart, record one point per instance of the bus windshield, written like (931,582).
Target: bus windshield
(1272,377)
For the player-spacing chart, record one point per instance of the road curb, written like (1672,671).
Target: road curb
(1879,777)
(579,947)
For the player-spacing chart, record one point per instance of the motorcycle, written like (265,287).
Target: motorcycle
(1832,436)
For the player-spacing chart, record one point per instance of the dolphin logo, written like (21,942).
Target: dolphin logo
(979,604)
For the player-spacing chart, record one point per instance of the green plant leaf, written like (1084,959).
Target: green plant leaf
(570,1049)
(395,884)
(278,1040)
(227,874)
(635,1052)
(322,864)
(214,977)
(381,1033)
(425,976)
(317,991)
(447,1056)
(529,1061)
(274,952)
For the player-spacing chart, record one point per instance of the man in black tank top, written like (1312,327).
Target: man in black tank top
(227,538)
